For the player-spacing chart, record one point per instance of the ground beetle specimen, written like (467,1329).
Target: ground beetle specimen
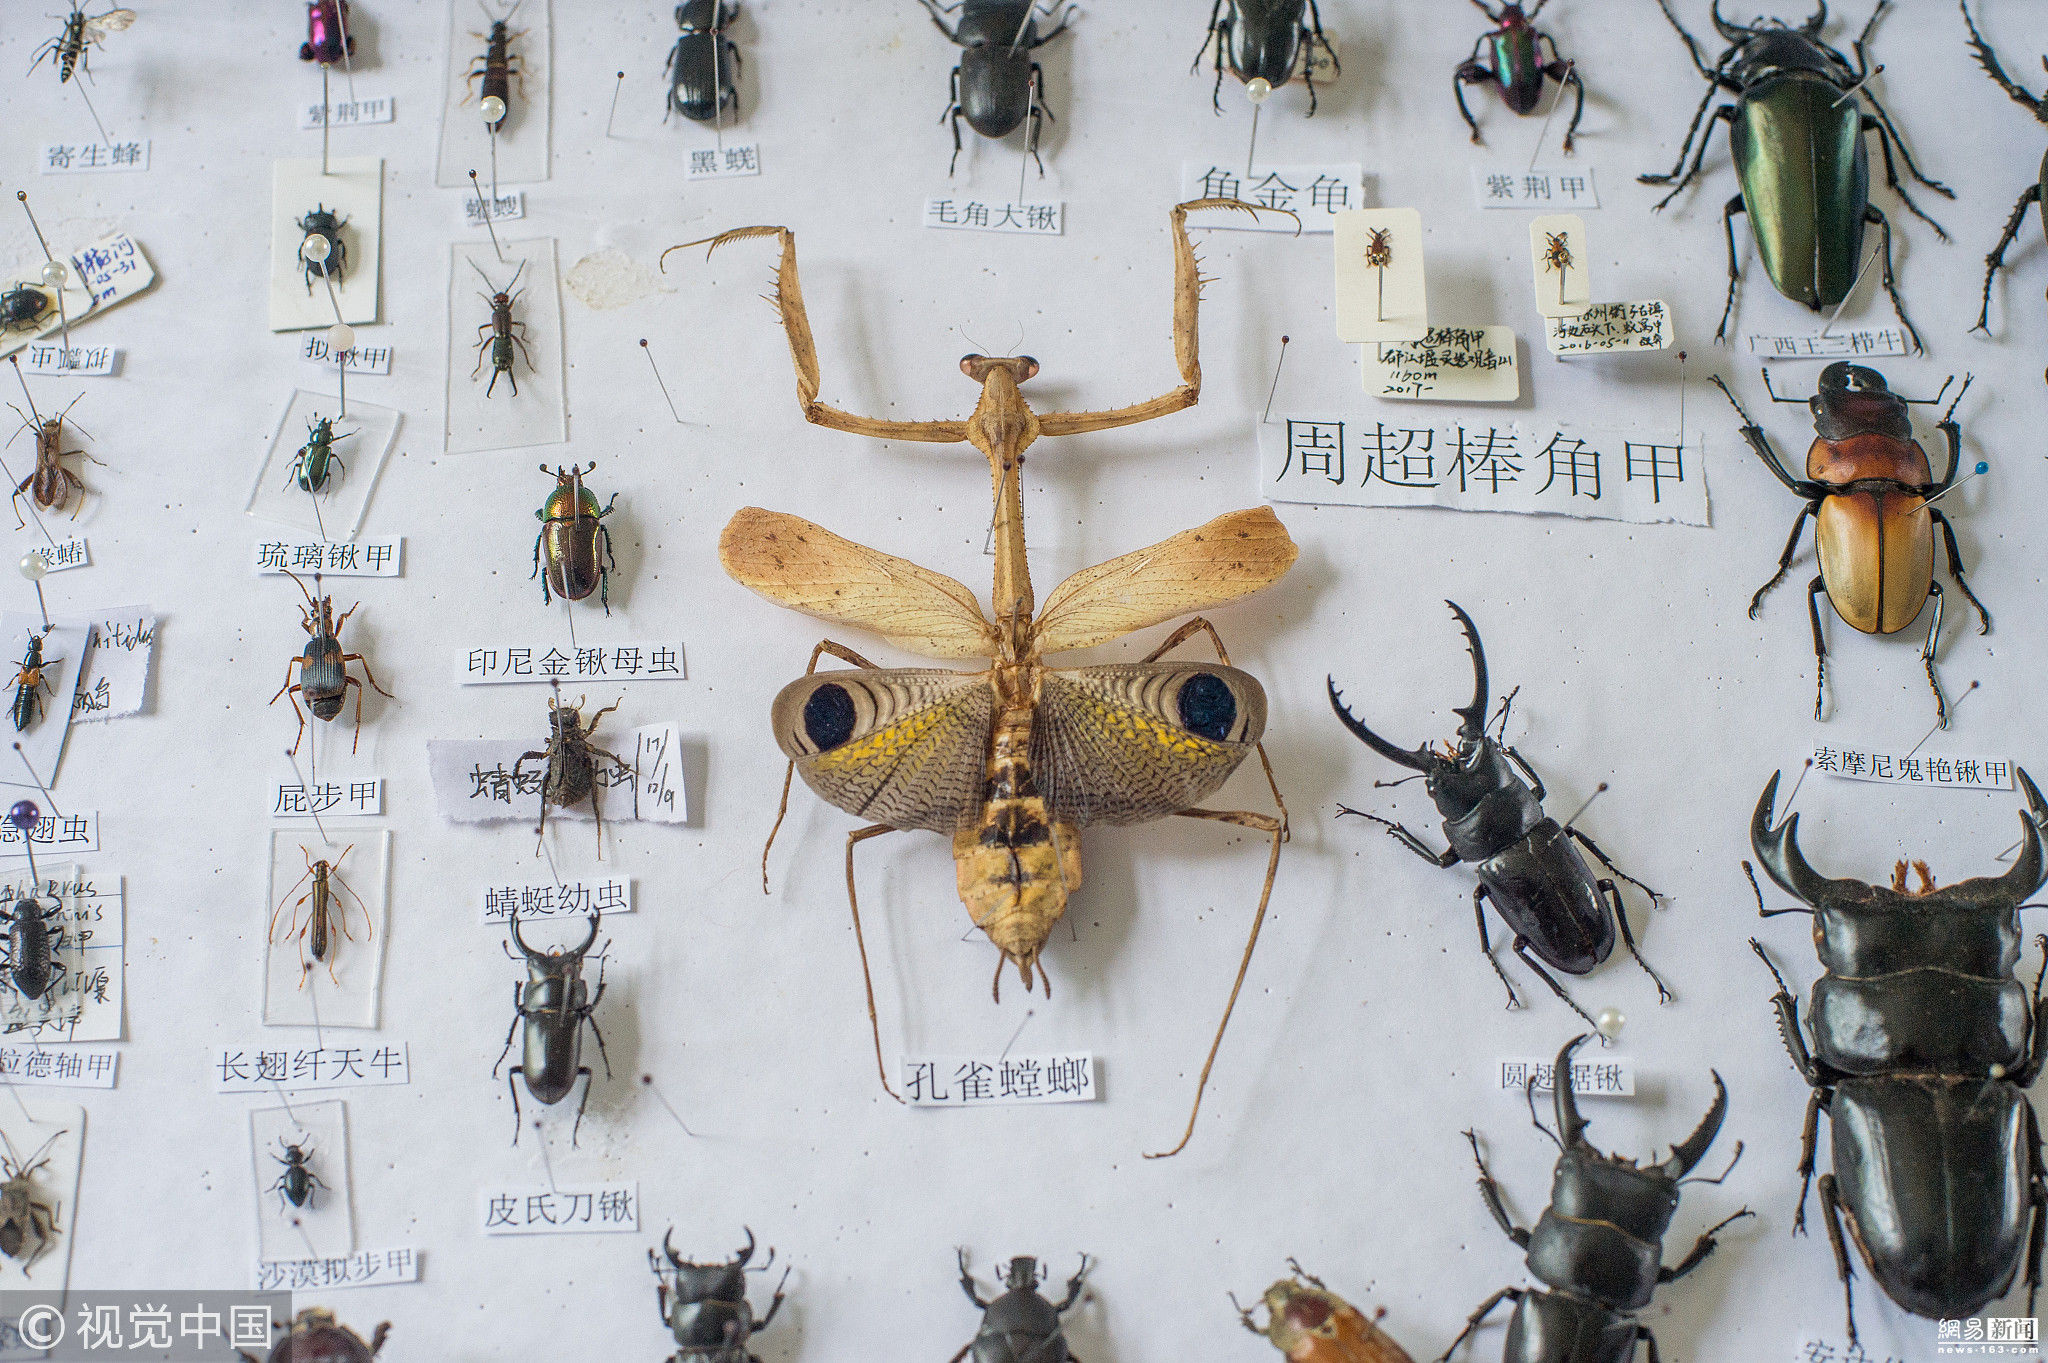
(316,459)
(30,685)
(496,67)
(32,940)
(1923,1048)
(51,485)
(705,1305)
(1797,128)
(296,1185)
(1599,1245)
(1868,483)
(704,64)
(26,1223)
(326,914)
(71,49)
(571,759)
(2035,193)
(551,1008)
(1021,1325)
(1263,41)
(1527,866)
(1311,1324)
(1518,70)
(574,540)
(322,223)
(24,306)
(314,1336)
(496,337)
(323,668)
(327,37)
(997,85)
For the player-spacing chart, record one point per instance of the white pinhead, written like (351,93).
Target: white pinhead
(492,108)
(54,273)
(1610,1022)
(33,567)
(316,248)
(341,338)
(1258,89)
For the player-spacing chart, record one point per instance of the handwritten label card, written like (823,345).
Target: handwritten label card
(1514,187)
(1447,364)
(998,1081)
(84,915)
(1914,768)
(511,664)
(556,899)
(1380,281)
(364,1268)
(484,780)
(506,206)
(348,112)
(114,269)
(977,215)
(116,677)
(1595,1077)
(1548,468)
(1317,194)
(1851,343)
(92,158)
(79,362)
(586,1209)
(362,359)
(71,553)
(268,1067)
(657,756)
(1611,329)
(335,558)
(723,163)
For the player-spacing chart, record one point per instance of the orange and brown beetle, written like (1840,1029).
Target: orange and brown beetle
(1867,487)
(1311,1324)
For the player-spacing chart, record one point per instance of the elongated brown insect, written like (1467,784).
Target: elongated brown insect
(1011,762)
(326,915)
(49,482)
(1379,253)
(1557,255)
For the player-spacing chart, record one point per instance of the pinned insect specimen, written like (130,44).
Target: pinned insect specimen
(497,336)
(551,1009)
(50,484)
(1518,69)
(1379,253)
(1021,1324)
(314,1336)
(705,1306)
(316,459)
(495,69)
(1263,42)
(1557,255)
(297,1185)
(30,685)
(24,306)
(328,40)
(27,1223)
(326,915)
(32,941)
(998,84)
(71,49)
(1311,1324)
(704,63)
(323,668)
(1012,762)
(331,263)
(574,541)
(571,775)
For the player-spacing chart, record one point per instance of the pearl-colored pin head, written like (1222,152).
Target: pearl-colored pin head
(1610,1021)
(1258,89)
(33,567)
(341,338)
(54,273)
(493,110)
(316,248)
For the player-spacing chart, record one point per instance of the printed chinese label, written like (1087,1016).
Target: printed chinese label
(976,215)
(87,158)
(1315,194)
(86,923)
(362,359)
(80,361)
(1910,769)
(1816,1350)
(71,553)
(1449,364)
(1610,328)
(1849,344)
(329,799)
(348,112)
(1502,187)
(115,680)
(645,660)
(62,834)
(1594,1078)
(556,899)
(296,1069)
(998,1081)
(73,1067)
(499,780)
(721,163)
(335,558)
(1549,468)
(114,269)
(364,1268)
(505,207)
(593,1209)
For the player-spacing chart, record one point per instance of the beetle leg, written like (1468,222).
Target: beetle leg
(1522,950)
(860,835)
(1785,559)
(1571,78)
(1489,1191)
(1594,848)
(1473,1321)
(964,1348)
(1874,214)
(1912,167)
(512,1087)
(359,658)
(1891,176)
(2037,1197)
(1535,781)
(1809,1142)
(1705,131)
(1831,1213)
(1701,1249)
(1401,834)
(2030,1067)
(1479,897)
(1628,938)
(1927,657)
(1471,73)
(1955,569)
(1736,205)
(1815,590)
(967,1283)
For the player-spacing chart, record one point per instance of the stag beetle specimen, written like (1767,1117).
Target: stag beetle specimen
(704,63)
(2035,193)
(1796,129)
(997,85)
(552,1007)
(1263,41)
(1021,1325)
(1311,1324)
(1924,1045)
(297,1183)
(572,535)
(1599,1245)
(314,1336)
(705,1305)
(26,1222)
(323,668)
(1527,866)
(32,941)
(1867,483)
(1518,69)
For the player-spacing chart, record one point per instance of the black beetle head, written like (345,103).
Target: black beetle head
(1740,33)
(1854,399)
(1592,1186)
(1023,1274)
(1472,719)
(696,1282)
(553,964)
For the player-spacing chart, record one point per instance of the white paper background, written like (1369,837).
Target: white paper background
(1369,1028)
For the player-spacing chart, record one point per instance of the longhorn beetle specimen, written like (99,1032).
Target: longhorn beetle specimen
(496,337)
(1263,41)
(1924,1046)
(1518,70)
(1867,487)
(1021,1325)
(551,1009)
(571,763)
(326,914)
(2035,193)
(50,485)
(1797,128)
(997,84)
(297,1184)
(705,1305)
(496,67)
(1598,1247)
(1311,1324)
(1526,864)
(323,668)
(1013,761)
(26,1222)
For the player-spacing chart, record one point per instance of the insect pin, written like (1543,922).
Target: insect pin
(1518,69)
(329,259)
(1379,253)
(1557,256)
(703,66)
(1309,1323)
(326,915)
(1012,761)
(998,84)
(496,337)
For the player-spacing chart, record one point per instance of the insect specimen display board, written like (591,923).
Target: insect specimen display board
(608,481)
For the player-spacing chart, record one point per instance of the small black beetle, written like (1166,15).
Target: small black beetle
(704,63)
(1022,1325)
(997,85)
(705,1305)
(32,942)
(24,306)
(296,1184)
(322,223)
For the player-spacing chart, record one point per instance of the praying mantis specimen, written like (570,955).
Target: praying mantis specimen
(1012,762)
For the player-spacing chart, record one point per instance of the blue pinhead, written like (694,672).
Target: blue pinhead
(24,815)
(1983,467)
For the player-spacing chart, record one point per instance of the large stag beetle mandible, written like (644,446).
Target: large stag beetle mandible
(1924,1045)
(1492,803)
(1599,1245)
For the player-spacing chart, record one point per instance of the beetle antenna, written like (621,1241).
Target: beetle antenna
(1968,379)
(1733,401)
(1774,392)
(1929,402)
(487,281)
(1723,1174)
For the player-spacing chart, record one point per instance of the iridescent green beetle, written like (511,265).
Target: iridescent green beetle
(574,541)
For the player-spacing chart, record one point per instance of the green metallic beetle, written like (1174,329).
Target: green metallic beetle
(316,459)
(1797,127)
(573,540)
(2035,193)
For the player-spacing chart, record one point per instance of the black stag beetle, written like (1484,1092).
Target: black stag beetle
(1599,1245)
(552,1005)
(1527,866)
(1923,1048)
(1262,41)
(704,63)
(1022,1325)
(997,84)
(705,1305)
